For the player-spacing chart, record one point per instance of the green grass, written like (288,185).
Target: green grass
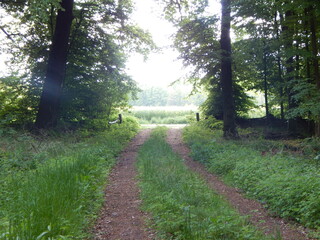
(287,183)
(182,205)
(163,115)
(60,196)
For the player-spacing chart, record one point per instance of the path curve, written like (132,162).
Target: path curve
(258,215)
(120,217)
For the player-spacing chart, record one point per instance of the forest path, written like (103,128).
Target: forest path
(258,215)
(121,217)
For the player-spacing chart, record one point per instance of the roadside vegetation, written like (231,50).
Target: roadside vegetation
(284,175)
(164,115)
(180,202)
(51,186)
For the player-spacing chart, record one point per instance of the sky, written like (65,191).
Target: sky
(160,69)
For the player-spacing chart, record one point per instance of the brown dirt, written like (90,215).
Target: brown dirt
(257,214)
(121,217)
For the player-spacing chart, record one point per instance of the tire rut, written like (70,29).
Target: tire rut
(120,217)
(257,214)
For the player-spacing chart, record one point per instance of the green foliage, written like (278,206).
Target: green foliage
(151,97)
(96,84)
(92,95)
(199,48)
(182,205)
(307,94)
(174,96)
(16,107)
(311,146)
(59,196)
(177,10)
(213,104)
(212,123)
(274,52)
(287,184)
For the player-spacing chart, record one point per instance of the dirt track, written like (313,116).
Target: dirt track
(121,218)
(258,215)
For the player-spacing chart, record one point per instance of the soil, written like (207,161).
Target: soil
(121,217)
(257,214)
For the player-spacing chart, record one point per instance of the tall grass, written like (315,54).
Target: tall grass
(182,205)
(60,198)
(168,115)
(288,184)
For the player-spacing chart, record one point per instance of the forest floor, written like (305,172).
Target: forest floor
(121,217)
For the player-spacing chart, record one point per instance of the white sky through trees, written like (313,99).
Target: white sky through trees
(161,68)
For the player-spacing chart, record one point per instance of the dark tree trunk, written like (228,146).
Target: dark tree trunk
(315,61)
(288,33)
(229,126)
(265,82)
(314,44)
(48,112)
(307,43)
(280,72)
(281,87)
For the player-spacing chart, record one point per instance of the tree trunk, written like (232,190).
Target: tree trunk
(281,87)
(48,112)
(265,82)
(315,61)
(229,126)
(314,44)
(288,32)
(280,72)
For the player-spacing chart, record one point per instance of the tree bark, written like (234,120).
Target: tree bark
(229,126)
(280,72)
(314,44)
(288,33)
(315,61)
(265,82)
(48,112)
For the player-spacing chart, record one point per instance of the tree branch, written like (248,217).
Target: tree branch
(7,34)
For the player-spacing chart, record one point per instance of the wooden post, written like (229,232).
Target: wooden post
(120,118)
(198,117)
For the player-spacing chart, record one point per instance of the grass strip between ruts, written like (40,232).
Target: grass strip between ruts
(180,202)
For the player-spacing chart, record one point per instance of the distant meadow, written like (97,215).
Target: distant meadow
(164,114)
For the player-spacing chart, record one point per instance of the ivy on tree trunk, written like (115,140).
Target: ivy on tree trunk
(48,112)
(229,126)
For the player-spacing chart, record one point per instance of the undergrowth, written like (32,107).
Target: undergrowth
(182,205)
(54,191)
(287,183)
